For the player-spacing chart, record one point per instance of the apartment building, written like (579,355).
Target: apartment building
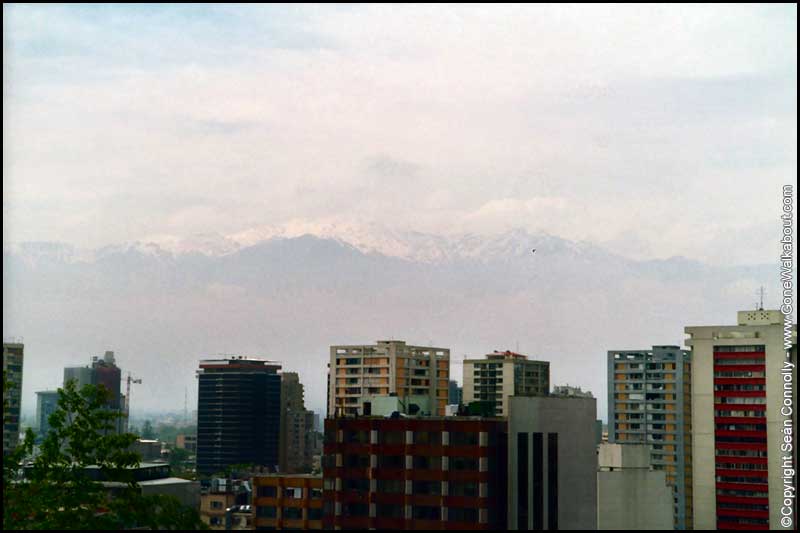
(739,382)
(649,402)
(500,375)
(358,373)
(415,473)
(288,501)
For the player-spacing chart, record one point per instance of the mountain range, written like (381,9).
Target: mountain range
(288,292)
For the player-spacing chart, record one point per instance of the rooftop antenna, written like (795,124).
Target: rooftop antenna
(761,298)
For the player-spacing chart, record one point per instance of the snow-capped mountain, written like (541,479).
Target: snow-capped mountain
(289,292)
(369,239)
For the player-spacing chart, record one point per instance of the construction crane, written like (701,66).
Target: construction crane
(128,394)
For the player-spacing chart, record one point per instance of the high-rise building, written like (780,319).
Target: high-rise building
(103,371)
(297,430)
(454,396)
(358,373)
(239,414)
(415,473)
(649,402)
(46,405)
(13,358)
(631,495)
(552,463)
(503,374)
(739,381)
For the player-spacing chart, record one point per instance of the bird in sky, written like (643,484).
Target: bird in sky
(533,251)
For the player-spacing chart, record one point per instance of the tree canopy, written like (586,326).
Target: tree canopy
(52,489)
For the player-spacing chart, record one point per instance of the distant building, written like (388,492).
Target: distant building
(186,442)
(148,450)
(503,374)
(649,402)
(103,371)
(552,463)
(454,396)
(571,392)
(46,405)
(297,431)
(630,494)
(153,478)
(287,501)
(356,372)
(415,473)
(13,358)
(239,414)
(739,382)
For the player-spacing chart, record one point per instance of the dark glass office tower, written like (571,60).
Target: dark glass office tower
(238,414)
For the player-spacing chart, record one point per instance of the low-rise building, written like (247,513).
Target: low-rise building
(287,501)
(415,473)
(220,495)
(631,495)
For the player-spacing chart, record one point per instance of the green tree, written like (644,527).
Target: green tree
(54,489)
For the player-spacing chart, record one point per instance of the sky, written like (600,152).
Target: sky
(653,130)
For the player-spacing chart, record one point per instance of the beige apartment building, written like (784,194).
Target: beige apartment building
(358,373)
(502,374)
(738,386)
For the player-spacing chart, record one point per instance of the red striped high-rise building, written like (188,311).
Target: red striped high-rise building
(738,390)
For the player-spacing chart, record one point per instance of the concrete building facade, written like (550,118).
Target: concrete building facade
(500,375)
(738,382)
(649,402)
(13,359)
(552,463)
(415,473)
(357,372)
(631,495)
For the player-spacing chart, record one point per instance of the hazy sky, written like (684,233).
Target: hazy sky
(655,130)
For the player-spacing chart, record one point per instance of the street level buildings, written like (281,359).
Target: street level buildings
(288,501)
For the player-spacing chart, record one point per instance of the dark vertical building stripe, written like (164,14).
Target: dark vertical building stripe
(537,494)
(552,481)
(522,481)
